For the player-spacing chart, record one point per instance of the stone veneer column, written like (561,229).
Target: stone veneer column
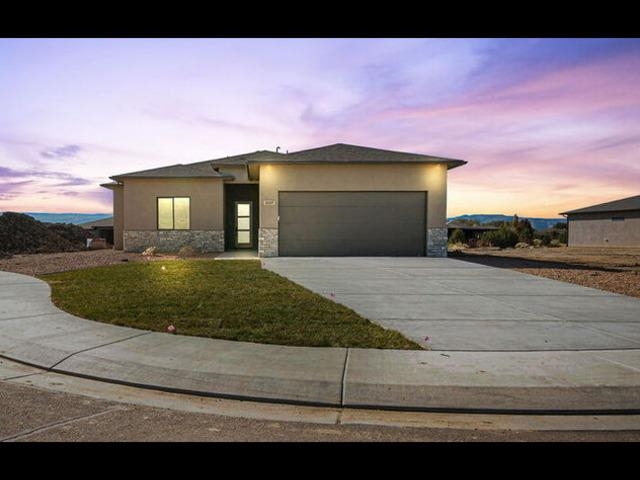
(268,242)
(436,242)
(172,240)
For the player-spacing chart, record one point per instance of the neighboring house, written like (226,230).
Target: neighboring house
(614,223)
(102,228)
(337,200)
(472,233)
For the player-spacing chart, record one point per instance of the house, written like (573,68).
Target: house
(472,233)
(336,200)
(102,228)
(615,223)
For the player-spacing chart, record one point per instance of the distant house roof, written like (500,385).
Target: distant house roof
(102,223)
(336,153)
(630,203)
(462,226)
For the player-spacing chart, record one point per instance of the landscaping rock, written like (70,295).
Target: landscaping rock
(98,244)
(149,252)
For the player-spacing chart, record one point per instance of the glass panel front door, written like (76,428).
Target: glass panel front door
(243,224)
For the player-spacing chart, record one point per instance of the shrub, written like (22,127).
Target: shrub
(504,237)
(457,236)
(546,238)
(563,236)
(554,243)
(187,251)
(537,242)
(522,245)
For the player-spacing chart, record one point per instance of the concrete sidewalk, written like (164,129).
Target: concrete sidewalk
(37,333)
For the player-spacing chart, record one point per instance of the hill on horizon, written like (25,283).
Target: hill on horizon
(74,218)
(536,223)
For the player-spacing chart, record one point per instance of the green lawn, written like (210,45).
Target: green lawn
(234,300)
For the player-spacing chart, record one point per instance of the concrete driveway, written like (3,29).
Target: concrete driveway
(466,306)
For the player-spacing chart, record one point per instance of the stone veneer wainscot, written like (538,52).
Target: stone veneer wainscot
(173,240)
(436,242)
(268,242)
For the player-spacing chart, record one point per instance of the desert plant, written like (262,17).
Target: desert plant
(457,236)
(504,237)
(563,236)
(187,251)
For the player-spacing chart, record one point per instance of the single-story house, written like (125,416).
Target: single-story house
(102,228)
(615,223)
(471,232)
(336,200)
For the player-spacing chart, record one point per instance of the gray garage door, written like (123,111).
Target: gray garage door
(352,223)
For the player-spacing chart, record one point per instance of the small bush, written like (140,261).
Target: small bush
(554,243)
(537,242)
(187,251)
(505,237)
(456,247)
(563,236)
(457,236)
(522,245)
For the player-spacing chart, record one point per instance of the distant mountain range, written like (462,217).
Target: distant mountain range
(536,223)
(78,218)
(75,218)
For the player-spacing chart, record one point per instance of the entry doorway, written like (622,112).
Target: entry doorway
(241,213)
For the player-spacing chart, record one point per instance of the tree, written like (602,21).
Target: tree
(504,237)
(457,236)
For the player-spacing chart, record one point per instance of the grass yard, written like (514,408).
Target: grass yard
(233,300)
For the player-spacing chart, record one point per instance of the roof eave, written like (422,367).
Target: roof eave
(622,209)
(450,163)
(119,178)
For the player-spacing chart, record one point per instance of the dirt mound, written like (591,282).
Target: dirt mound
(20,233)
(70,232)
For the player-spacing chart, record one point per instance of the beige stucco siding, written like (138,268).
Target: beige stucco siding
(140,201)
(118,215)
(275,178)
(239,172)
(597,229)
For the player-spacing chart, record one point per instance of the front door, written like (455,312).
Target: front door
(242,234)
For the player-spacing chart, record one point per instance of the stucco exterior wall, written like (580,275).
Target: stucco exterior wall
(239,172)
(276,178)
(118,216)
(354,177)
(597,229)
(140,201)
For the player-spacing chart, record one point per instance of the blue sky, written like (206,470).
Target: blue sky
(546,124)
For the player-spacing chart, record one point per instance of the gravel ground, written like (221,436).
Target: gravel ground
(612,269)
(41,263)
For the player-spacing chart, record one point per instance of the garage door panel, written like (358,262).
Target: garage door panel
(352,223)
(345,214)
(367,199)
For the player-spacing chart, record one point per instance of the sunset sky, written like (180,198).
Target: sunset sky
(546,125)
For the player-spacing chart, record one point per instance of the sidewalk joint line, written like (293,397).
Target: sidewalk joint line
(49,426)
(21,376)
(94,348)
(34,316)
(344,377)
